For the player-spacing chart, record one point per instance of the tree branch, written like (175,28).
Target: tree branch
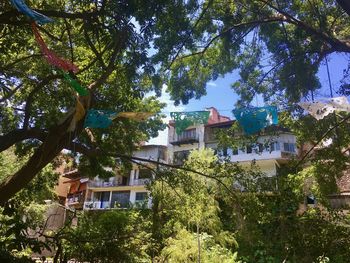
(189,35)
(118,45)
(93,48)
(338,45)
(30,97)
(98,152)
(320,140)
(244,24)
(10,17)
(51,146)
(15,136)
(11,93)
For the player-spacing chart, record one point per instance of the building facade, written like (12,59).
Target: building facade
(269,152)
(126,190)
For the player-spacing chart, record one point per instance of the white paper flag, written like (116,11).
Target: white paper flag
(320,109)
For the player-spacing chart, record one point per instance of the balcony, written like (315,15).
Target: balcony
(113,182)
(92,205)
(140,181)
(117,199)
(187,137)
(276,150)
(75,199)
(116,183)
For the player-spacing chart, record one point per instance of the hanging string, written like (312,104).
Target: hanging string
(329,78)
(331,93)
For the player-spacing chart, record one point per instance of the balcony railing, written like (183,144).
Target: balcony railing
(276,150)
(92,205)
(141,181)
(113,183)
(75,199)
(97,184)
(97,205)
(189,136)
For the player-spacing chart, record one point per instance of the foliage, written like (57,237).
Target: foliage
(103,39)
(25,211)
(113,236)
(184,248)
(277,47)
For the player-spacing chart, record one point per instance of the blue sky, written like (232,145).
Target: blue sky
(221,96)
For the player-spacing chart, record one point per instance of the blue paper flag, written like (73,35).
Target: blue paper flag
(23,8)
(253,120)
(99,118)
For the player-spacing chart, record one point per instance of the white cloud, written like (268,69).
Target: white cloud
(212,84)
(163,135)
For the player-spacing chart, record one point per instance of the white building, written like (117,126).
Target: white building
(126,190)
(129,190)
(269,152)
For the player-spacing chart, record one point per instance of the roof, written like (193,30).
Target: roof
(219,124)
(152,145)
(71,174)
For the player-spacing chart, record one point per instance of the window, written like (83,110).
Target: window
(141,196)
(181,157)
(249,149)
(274,146)
(145,174)
(187,135)
(310,199)
(234,151)
(120,199)
(289,147)
(261,147)
(161,154)
(103,197)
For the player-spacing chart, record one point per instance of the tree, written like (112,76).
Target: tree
(277,47)
(25,212)
(186,211)
(109,42)
(127,49)
(112,236)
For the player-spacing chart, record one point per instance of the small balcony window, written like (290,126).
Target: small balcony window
(141,196)
(120,199)
(145,174)
(249,149)
(289,147)
(274,146)
(234,151)
(180,157)
(187,135)
(310,199)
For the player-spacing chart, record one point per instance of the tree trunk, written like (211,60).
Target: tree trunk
(199,244)
(53,145)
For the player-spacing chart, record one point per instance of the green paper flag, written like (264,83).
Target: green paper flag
(75,85)
(183,120)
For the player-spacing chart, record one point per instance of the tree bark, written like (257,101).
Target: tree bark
(9,139)
(199,244)
(52,145)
